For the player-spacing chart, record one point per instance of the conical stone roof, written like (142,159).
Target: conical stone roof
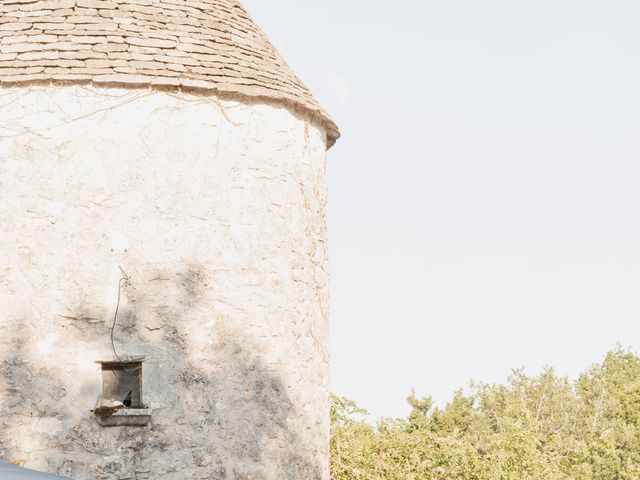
(205,45)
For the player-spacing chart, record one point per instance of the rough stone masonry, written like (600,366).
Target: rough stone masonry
(175,226)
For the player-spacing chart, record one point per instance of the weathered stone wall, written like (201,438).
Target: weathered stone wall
(216,211)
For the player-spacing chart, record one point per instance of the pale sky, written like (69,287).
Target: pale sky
(484,198)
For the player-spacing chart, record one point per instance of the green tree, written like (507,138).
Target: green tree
(531,428)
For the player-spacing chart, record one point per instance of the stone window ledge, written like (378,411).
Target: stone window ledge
(128,417)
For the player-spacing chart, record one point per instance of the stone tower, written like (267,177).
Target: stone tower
(163,260)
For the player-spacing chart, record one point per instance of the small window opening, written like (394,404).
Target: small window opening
(122,382)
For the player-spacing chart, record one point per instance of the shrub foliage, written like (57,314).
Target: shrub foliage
(531,428)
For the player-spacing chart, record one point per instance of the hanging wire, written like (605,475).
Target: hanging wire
(125,278)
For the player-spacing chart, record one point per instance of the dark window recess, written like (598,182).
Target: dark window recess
(122,382)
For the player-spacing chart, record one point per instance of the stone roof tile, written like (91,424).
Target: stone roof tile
(208,45)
